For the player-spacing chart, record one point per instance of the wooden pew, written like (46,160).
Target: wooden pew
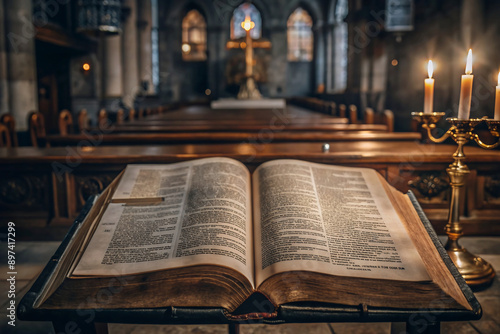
(180,127)
(353,114)
(333,109)
(102,118)
(128,139)
(204,113)
(4,136)
(342,111)
(205,125)
(201,124)
(131,115)
(120,116)
(10,123)
(36,128)
(263,117)
(221,124)
(313,103)
(386,118)
(65,122)
(369,117)
(82,121)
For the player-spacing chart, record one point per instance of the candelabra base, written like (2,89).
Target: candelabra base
(249,90)
(475,270)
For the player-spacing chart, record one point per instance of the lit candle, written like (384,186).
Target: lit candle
(497,100)
(247,24)
(429,90)
(466,90)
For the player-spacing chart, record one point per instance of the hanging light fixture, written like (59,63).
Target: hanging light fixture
(99,16)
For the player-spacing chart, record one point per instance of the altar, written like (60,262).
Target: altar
(249,96)
(264,103)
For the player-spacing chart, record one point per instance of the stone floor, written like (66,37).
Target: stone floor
(31,257)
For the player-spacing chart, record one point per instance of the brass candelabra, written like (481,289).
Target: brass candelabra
(474,269)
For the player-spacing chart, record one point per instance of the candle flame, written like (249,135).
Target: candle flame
(430,69)
(468,67)
(247,24)
(499,78)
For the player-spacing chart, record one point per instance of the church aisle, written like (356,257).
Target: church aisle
(32,257)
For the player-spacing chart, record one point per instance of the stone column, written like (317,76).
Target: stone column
(167,67)
(214,36)
(145,51)
(4,88)
(129,54)
(357,43)
(319,57)
(221,57)
(20,41)
(277,71)
(328,31)
(112,71)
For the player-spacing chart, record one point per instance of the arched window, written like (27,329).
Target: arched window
(340,43)
(239,14)
(300,36)
(194,37)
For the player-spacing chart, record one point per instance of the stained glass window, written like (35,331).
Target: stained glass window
(194,37)
(300,36)
(239,14)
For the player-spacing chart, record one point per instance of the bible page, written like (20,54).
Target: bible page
(204,218)
(329,219)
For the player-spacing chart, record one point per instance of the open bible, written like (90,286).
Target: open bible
(207,233)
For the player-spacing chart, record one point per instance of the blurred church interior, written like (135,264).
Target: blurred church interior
(87,87)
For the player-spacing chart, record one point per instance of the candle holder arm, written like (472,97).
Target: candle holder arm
(484,145)
(441,139)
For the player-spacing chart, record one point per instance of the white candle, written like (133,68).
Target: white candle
(497,100)
(429,90)
(466,90)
